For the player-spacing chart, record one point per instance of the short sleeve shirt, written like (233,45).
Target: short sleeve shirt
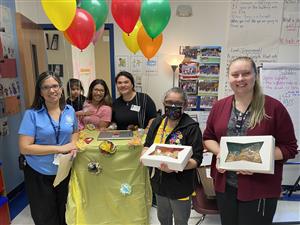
(138,111)
(77,104)
(36,123)
(102,113)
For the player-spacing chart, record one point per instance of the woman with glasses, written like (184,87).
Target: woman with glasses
(132,109)
(48,128)
(244,197)
(173,189)
(97,107)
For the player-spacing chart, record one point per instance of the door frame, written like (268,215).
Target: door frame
(110,28)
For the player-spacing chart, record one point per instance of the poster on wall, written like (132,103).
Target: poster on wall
(137,64)
(199,75)
(8,49)
(4,131)
(6,23)
(122,63)
(9,87)
(151,66)
(12,105)
(9,97)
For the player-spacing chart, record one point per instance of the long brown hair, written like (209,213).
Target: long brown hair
(39,100)
(258,100)
(107,100)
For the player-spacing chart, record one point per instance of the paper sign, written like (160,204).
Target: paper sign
(65,164)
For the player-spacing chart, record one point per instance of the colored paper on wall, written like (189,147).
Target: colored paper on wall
(12,105)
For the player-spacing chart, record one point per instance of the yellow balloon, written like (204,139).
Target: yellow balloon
(131,39)
(60,12)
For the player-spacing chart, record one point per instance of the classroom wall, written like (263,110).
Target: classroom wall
(207,26)
(63,55)
(9,150)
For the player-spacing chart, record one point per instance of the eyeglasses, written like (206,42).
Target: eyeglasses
(99,90)
(171,103)
(55,87)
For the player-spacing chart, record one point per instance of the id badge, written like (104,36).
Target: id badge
(135,108)
(56,159)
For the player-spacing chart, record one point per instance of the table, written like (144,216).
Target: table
(96,198)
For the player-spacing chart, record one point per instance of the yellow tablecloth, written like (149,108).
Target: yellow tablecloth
(96,199)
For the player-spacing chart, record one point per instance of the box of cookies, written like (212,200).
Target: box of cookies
(175,156)
(251,153)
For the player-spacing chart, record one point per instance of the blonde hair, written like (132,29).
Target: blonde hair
(258,101)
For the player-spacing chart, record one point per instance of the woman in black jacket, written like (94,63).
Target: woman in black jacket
(173,189)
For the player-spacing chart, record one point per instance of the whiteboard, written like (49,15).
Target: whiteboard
(282,81)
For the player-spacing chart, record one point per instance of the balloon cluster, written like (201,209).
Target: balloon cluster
(84,24)
(81,25)
(144,35)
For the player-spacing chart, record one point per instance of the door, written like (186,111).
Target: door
(32,51)
(102,59)
(105,58)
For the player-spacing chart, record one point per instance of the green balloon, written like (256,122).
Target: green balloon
(155,15)
(98,10)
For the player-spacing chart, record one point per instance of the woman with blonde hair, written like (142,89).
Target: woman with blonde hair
(244,197)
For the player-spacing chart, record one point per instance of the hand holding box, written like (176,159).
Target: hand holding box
(175,156)
(250,153)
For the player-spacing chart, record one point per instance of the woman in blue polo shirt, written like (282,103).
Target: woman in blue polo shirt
(48,128)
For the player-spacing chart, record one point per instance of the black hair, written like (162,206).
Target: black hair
(125,74)
(74,82)
(39,100)
(107,100)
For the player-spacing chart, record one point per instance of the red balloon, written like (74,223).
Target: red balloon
(82,29)
(126,13)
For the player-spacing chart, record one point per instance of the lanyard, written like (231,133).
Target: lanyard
(164,130)
(57,132)
(240,117)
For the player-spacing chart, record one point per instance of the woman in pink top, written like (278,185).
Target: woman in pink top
(97,107)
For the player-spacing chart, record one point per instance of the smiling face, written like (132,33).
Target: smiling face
(124,85)
(242,77)
(51,91)
(75,91)
(98,93)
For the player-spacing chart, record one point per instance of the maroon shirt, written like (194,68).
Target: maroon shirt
(279,125)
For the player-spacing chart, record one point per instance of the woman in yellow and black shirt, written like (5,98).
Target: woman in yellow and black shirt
(173,189)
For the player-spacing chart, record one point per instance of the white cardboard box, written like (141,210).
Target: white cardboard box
(252,153)
(164,153)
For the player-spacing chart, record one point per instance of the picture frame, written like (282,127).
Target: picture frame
(54,43)
(190,86)
(57,69)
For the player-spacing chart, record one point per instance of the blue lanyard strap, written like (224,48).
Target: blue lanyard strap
(57,132)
